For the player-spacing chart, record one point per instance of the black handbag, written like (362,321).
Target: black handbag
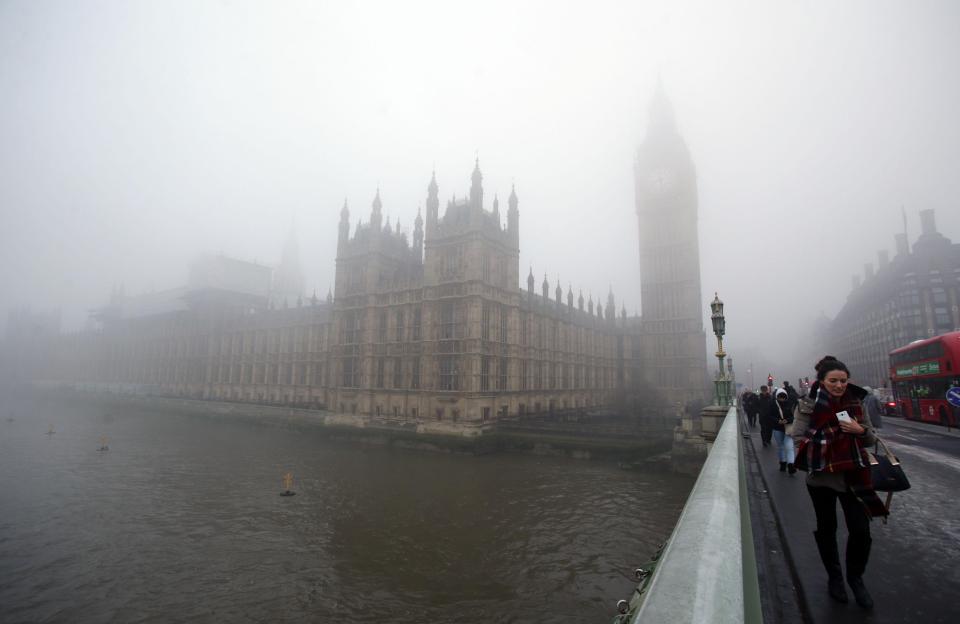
(885,470)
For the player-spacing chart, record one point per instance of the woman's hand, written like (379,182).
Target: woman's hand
(852,427)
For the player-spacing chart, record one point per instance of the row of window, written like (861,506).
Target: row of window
(494,374)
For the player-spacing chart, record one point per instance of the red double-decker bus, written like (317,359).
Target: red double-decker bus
(921,374)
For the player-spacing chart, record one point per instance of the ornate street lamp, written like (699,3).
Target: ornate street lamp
(721,383)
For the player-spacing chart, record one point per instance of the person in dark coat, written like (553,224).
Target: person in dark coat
(832,431)
(763,408)
(750,407)
(780,415)
(791,394)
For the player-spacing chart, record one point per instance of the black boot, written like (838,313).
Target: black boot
(783,466)
(860,592)
(858,552)
(827,545)
(791,469)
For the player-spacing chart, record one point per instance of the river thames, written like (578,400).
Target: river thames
(181,520)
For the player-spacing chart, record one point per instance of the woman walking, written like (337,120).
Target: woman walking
(780,414)
(832,431)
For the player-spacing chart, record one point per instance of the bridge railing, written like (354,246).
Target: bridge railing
(707,569)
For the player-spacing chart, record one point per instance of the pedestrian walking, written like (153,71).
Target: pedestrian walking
(751,407)
(792,394)
(873,406)
(781,416)
(832,431)
(763,409)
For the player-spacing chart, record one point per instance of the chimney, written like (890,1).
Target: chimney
(902,248)
(856,282)
(884,258)
(867,271)
(928,224)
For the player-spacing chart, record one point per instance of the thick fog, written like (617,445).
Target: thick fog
(135,135)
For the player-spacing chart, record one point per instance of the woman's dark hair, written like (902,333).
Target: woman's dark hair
(829,363)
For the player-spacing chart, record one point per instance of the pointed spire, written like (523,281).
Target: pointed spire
(530,280)
(476,186)
(433,203)
(569,295)
(313,299)
(513,216)
(418,235)
(545,287)
(580,301)
(376,214)
(329,295)
(344,228)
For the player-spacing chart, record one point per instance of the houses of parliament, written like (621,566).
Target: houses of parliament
(435,327)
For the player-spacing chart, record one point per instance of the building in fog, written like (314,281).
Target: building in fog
(435,326)
(673,341)
(915,295)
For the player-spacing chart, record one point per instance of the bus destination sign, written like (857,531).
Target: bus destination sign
(924,368)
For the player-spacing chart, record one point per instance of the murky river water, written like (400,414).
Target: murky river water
(181,521)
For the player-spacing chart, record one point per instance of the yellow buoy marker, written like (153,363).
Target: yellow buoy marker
(287,484)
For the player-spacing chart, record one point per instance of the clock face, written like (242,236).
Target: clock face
(661,180)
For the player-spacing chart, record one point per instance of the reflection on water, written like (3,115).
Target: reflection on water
(181,519)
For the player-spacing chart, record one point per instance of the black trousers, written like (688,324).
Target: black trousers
(858,525)
(766,430)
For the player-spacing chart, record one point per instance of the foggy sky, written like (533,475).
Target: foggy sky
(134,135)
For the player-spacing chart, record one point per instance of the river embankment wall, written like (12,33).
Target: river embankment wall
(629,448)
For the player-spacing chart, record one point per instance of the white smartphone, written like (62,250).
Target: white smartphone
(844,416)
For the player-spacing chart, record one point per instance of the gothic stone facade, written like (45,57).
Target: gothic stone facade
(434,328)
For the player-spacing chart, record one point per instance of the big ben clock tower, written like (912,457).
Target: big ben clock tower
(673,343)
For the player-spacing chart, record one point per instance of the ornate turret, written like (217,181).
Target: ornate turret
(433,204)
(611,306)
(569,295)
(546,288)
(590,305)
(513,215)
(476,187)
(580,301)
(559,292)
(344,232)
(496,209)
(418,235)
(376,215)
(530,281)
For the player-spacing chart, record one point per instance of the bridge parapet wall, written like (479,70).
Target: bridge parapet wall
(707,570)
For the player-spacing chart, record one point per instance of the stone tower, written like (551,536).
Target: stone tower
(674,344)
(288,282)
